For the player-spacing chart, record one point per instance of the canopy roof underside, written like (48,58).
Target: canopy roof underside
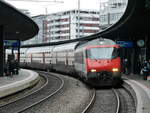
(16,25)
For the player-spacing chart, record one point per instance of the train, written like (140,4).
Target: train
(96,62)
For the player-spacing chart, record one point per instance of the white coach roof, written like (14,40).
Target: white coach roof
(40,49)
(64,47)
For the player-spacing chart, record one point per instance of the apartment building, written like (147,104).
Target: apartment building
(72,24)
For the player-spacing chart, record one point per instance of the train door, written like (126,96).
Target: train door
(79,63)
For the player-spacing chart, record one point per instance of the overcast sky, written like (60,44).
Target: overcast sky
(37,8)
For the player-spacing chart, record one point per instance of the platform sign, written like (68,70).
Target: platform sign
(126,44)
(12,43)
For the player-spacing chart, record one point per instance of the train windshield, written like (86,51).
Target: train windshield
(102,53)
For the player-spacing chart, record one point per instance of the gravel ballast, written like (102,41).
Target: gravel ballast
(73,98)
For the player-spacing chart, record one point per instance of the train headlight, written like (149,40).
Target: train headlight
(115,69)
(93,70)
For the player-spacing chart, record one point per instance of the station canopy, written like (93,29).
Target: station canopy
(16,25)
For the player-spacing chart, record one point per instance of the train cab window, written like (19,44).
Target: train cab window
(102,53)
(115,53)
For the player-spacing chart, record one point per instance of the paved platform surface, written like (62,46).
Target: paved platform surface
(139,78)
(15,83)
(142,90)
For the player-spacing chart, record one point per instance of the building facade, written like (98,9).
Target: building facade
(65,25)
(111,12)
(75,24)
(72,24)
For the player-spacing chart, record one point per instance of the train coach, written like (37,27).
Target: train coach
(97,62)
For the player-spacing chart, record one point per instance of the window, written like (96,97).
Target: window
(90,25)
(89,18)
(102,53)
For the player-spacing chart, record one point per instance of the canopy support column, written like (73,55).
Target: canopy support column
(1,51)
(19,54)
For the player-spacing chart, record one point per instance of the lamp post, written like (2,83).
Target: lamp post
(2,50)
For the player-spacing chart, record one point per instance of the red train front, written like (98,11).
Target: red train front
(103,64)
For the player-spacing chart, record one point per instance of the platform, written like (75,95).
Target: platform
(16,83)
(142,90)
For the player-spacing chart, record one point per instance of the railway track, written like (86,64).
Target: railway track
(22,94)
(119,100)
(79,100)
(53,85)
(91,102)
(56,87)
(127,100)
(106,101)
